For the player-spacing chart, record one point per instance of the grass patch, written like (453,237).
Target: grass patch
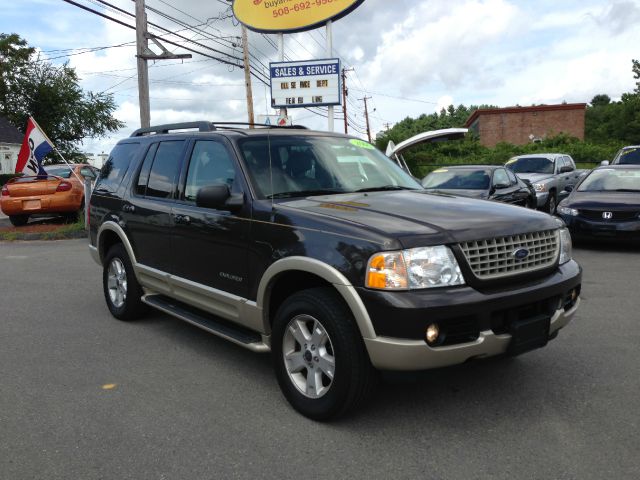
(57,232)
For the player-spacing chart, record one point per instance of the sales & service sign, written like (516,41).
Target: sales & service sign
(310,83)
(287,16)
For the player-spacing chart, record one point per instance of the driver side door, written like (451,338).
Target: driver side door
(210,245)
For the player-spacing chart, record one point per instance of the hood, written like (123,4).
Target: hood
(603,200)
(483,194)
(535,177)
(418,218)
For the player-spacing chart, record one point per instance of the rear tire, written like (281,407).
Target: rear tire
(319,357)
(122,291)
(18,220)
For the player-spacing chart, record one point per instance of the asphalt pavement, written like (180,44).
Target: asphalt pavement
(84,396)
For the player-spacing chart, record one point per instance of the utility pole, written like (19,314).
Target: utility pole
(247,75)
(345,93)
(143,55)
(143,70)
(366,114)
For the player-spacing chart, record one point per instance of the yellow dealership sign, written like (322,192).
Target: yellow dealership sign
(287,16)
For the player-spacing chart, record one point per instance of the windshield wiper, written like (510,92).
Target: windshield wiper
(384,188)
(304,193)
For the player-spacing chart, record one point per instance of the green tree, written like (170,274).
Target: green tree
(636,74)
(600,100)
(31,86)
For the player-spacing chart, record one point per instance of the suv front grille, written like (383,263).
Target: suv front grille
(495,258)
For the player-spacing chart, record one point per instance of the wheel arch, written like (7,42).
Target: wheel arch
(292,274)
(109,234)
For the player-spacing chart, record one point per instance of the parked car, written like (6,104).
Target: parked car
(605,204)
(488,182)
(626,156)
(549,173)
(263,237)
(61,192)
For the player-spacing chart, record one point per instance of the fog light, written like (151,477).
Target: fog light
(574,295)
(433,332)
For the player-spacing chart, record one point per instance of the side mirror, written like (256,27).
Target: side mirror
(568,188)
(604,163)
(526,181)
(213,196)
(566,169)
(500,186)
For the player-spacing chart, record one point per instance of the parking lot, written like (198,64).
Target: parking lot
(85,396)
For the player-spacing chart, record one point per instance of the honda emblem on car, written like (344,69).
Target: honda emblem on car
(607,215)
(520,254)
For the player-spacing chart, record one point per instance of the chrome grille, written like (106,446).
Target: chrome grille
(495,257)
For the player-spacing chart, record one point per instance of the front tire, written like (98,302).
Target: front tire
(18,220)
(319,357)
(122,291)
(552,203)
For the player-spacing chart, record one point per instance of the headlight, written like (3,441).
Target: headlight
(539,187)
(417,268)
(565,245)
(568,211)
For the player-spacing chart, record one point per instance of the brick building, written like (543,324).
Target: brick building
(521,125)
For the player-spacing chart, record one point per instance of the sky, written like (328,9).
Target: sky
(411,56)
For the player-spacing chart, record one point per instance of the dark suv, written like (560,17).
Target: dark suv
(317,247)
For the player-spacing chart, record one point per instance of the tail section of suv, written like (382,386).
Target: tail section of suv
(318,248)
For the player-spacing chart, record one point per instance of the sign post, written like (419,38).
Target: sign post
(299,84)
(330,113)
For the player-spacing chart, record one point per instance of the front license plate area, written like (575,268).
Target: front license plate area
(528,334)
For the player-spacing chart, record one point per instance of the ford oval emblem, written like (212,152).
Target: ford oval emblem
(520,254)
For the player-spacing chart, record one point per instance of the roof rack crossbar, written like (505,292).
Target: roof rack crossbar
(201,126)
(204,126)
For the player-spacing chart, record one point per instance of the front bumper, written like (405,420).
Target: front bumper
(397,354)
(585,228)
(475,322)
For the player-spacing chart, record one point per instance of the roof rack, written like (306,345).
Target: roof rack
(204,126)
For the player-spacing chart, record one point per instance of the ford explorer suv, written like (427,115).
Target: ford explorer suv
(318,248)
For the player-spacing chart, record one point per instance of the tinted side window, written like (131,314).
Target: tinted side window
(162,177)
(210,164)
(500,177)
(116,166)
(143,176)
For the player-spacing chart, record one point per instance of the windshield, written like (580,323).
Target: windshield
(530,165)
(628,156)
(303,166)
(458,179)
(610,180)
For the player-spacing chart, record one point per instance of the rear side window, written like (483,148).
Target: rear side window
(143,177)
(164,170)
(116,166)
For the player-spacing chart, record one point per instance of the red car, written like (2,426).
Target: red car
(61,191)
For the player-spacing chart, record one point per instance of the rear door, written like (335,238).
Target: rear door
(211,244)
(147,209)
